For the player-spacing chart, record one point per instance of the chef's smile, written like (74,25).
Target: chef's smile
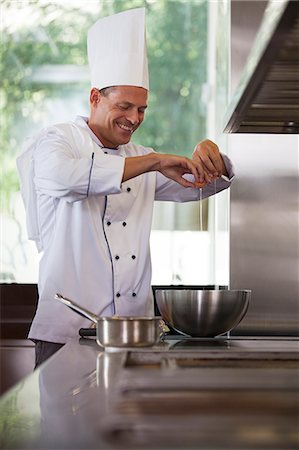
(126,128)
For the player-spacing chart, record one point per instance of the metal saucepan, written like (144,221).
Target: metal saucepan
(118,331)
(202,313)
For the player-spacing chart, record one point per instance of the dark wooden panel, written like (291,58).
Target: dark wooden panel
(17,358)
(17,307)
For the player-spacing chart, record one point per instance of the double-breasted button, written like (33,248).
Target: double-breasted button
(116,257)
(108,223)
(134,294)
(106,153)
(128,189)
(133,257)
(118,294)
(124,224)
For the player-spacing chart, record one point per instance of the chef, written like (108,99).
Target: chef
(89,192)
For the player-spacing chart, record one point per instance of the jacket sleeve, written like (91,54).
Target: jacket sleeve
(169,190)
(60,171)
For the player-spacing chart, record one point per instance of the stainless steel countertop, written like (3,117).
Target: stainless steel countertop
(209,394)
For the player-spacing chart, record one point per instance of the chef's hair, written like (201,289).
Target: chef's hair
(107,90)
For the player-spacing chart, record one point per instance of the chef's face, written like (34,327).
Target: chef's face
(117,113)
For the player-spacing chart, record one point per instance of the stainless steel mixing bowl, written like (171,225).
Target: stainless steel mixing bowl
(202,313)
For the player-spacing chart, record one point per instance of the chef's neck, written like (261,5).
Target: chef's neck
(104,142)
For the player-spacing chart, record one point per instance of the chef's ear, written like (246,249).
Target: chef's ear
(95,96)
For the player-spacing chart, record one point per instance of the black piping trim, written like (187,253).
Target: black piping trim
(112,268)
(89,177)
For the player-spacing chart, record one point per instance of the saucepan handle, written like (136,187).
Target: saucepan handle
(86,332)
(77,308)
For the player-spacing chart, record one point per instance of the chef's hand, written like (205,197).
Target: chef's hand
(206,154)
(175,167)
(171,166)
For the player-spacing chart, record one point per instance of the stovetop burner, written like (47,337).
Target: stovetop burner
(203,343)
(226,337)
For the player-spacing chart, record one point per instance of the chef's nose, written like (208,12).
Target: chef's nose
(133,116)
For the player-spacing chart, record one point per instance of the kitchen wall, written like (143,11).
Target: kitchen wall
(264,220)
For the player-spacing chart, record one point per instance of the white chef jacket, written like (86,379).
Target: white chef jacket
(93,229)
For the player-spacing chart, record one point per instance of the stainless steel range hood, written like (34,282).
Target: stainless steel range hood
(267,98)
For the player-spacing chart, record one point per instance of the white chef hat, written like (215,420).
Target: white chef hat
(116,47)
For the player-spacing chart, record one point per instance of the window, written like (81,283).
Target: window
(45,79)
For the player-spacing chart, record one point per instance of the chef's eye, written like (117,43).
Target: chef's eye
(123,107)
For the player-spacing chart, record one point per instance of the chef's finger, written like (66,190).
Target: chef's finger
(210,156)
(201,171)
(201,156)
(192,168)
(215,156)
(209,164)
(207,174)
(208,177)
